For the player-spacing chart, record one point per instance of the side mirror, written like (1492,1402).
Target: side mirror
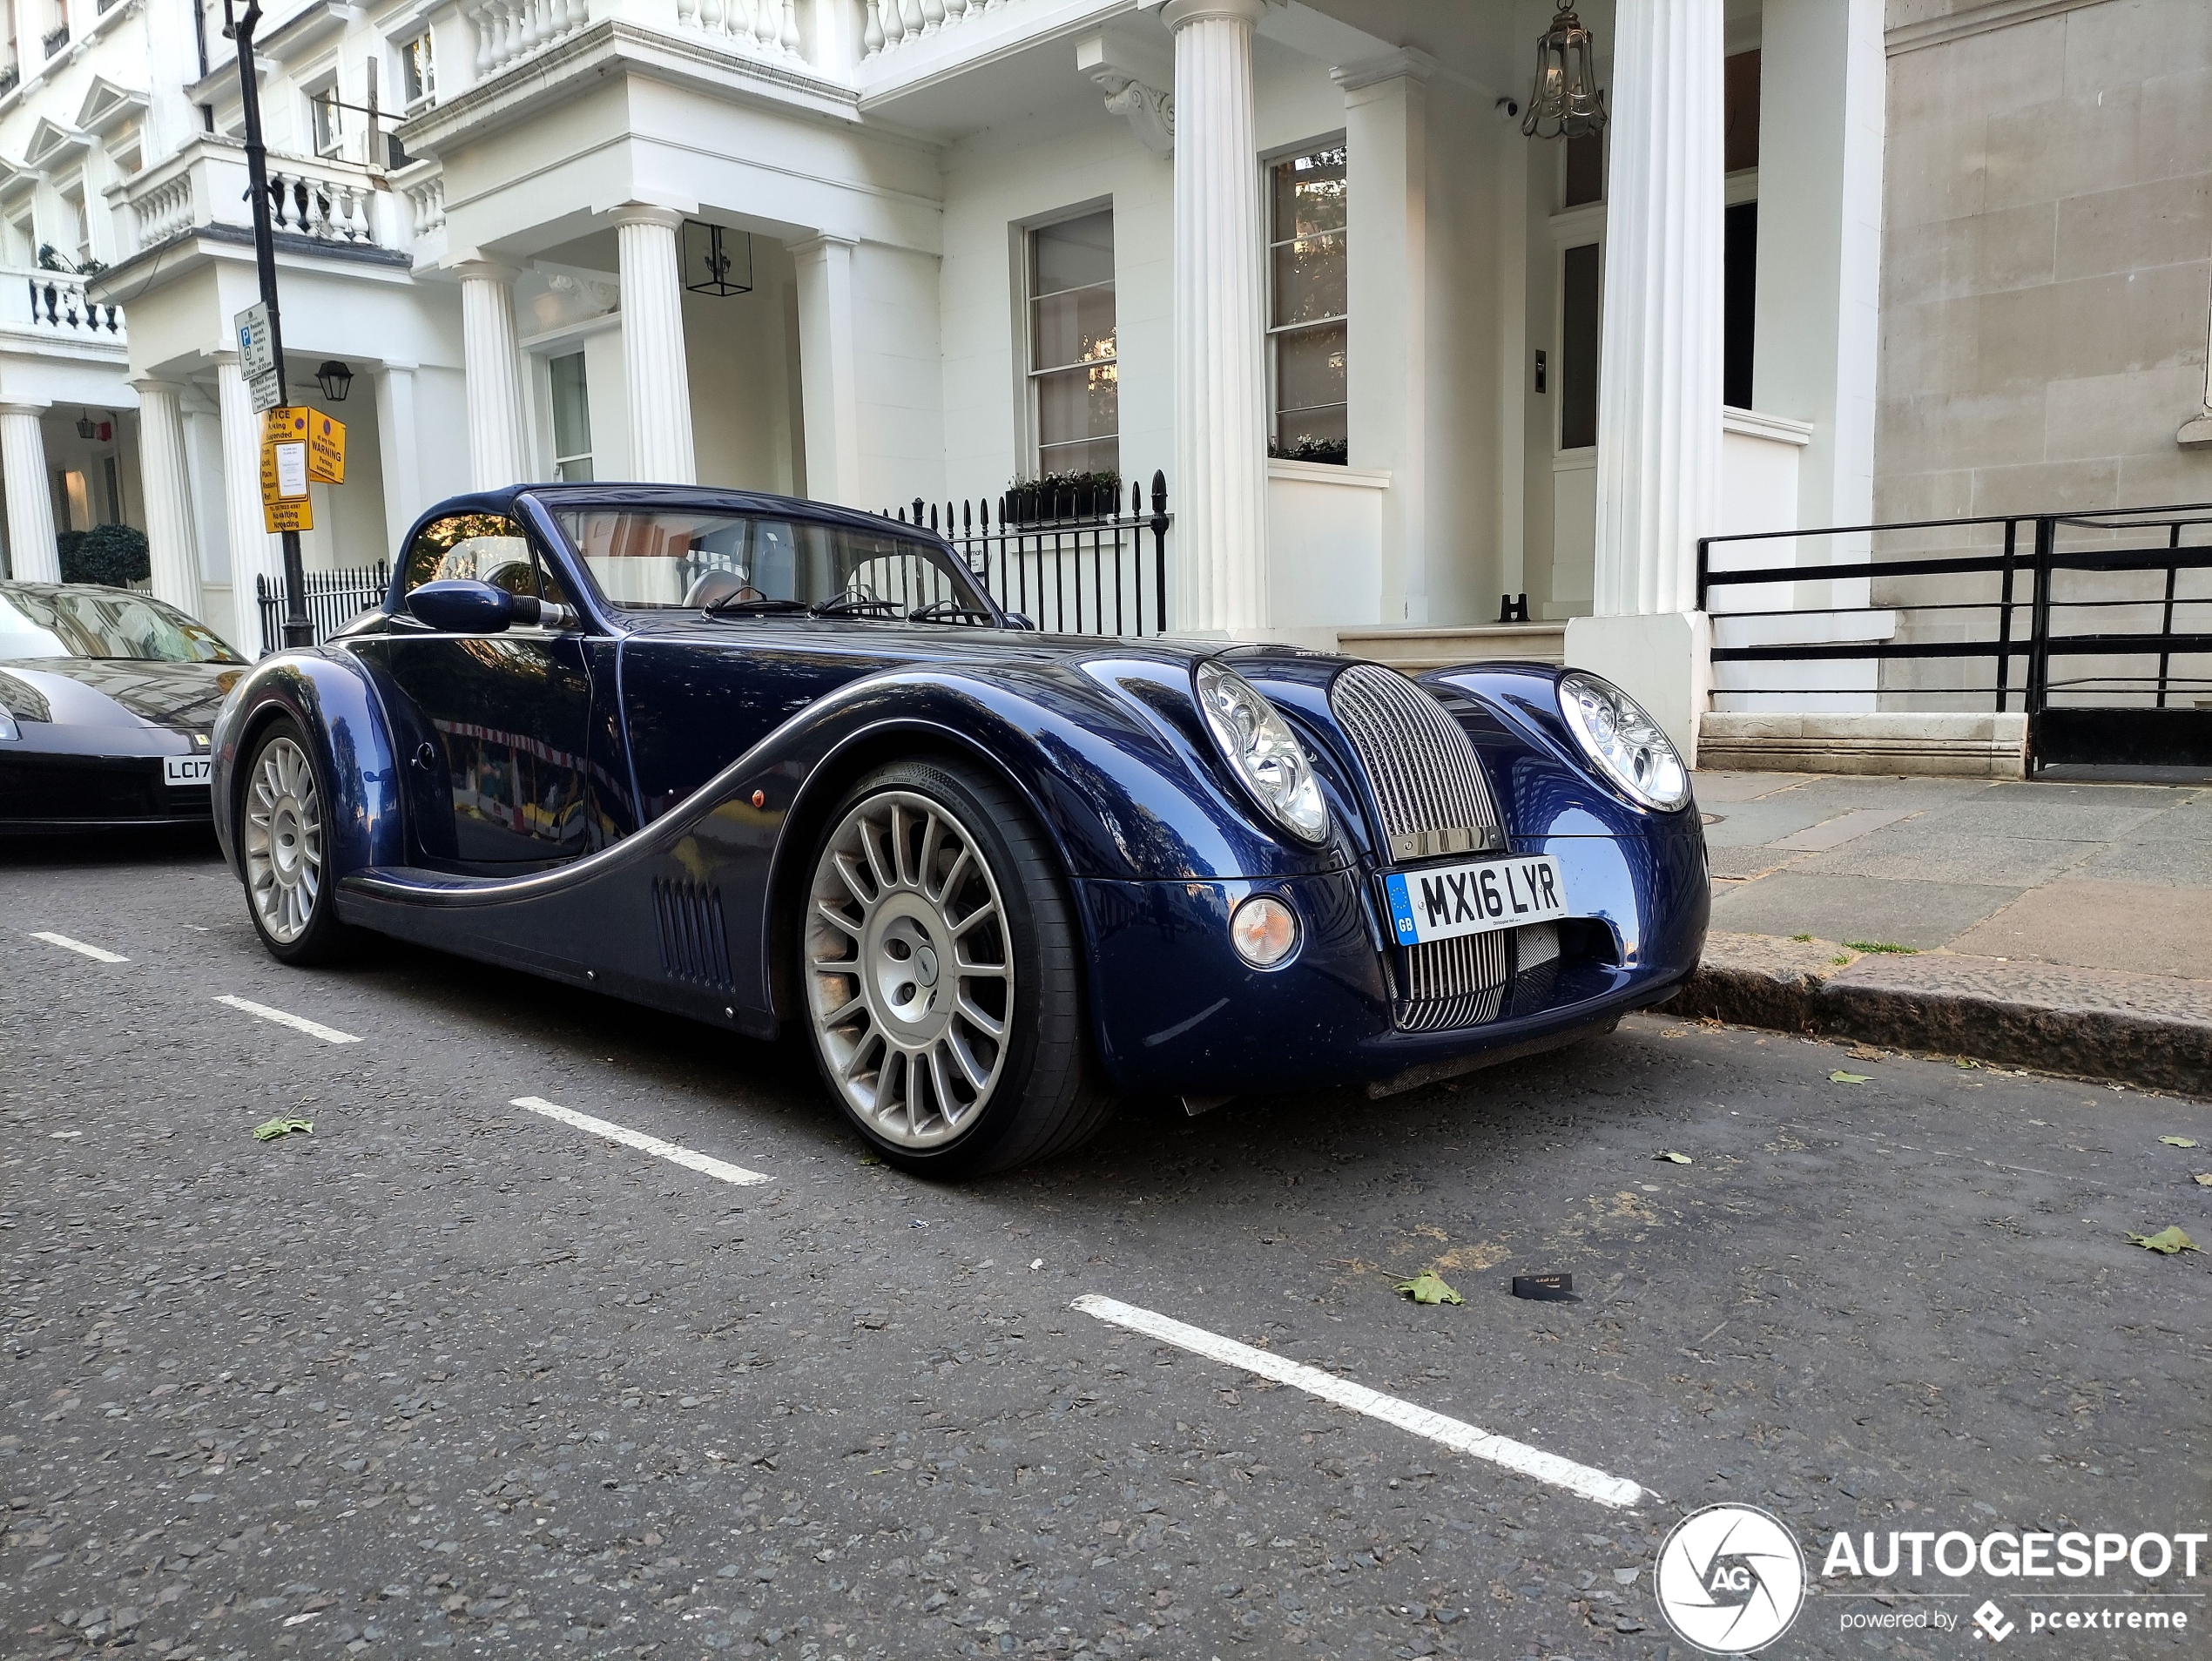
(459,606)
(1020,620)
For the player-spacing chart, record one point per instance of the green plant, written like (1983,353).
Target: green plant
(1057,496)
(1882,946)
(1334,452)
(113,553)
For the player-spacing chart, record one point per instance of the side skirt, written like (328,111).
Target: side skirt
(434,927)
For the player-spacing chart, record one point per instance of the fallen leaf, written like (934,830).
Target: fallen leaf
(1865,1053)
(2166,1242)
(1849,1078)
(2204,1179)
(1674,1158)
(1966,1061)
(2178,1141)
(270,1130)
(1428,1286)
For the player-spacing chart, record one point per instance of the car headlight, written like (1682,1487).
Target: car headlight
(1263,752)
(1623,742)
(7,727)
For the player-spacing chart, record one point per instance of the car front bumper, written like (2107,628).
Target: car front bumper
(44,789)
(1177,1011)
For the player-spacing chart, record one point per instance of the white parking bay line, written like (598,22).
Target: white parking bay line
(328,1035)
(67,944)
(705,1163)
(1452,1433)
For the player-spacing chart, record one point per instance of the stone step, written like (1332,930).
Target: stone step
(1418,649)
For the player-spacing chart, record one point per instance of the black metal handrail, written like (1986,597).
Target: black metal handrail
(1072,559)
(2071,717)
(334,598)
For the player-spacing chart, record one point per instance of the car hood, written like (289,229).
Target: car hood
(115,692)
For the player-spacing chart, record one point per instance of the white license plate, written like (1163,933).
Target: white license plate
(186,769)
(1441,901)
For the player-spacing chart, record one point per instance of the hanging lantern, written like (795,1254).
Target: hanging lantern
(336,380)
(714,260)
(86,425)
(1566,101)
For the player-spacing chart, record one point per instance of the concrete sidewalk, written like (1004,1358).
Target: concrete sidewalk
(2061,925)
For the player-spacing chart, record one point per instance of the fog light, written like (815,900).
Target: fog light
(1264,931)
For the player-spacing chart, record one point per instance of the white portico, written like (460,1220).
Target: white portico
(1394,358)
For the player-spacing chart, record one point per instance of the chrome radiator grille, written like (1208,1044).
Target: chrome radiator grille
(1425,775)
(1429,784)
(1453,982)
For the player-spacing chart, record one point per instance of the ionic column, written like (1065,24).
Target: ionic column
(1220,323)
(1659,383)
(164,475)
(397,451)
(1659,390)
(494,375)
(654,369)
(32,553)
(829,383)
(254,552)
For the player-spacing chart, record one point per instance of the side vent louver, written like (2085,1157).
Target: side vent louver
(693,944)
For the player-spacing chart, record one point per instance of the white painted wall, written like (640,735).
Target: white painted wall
(996,184)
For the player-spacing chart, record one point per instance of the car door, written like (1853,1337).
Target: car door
(493,730)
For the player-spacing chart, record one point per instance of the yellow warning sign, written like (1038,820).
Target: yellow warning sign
(324,436)
(294,515)
(284,472)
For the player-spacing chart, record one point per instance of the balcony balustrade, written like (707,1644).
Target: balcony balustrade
(337,202)
(53,303)
(889,24)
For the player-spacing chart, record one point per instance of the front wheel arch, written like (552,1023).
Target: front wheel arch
(809,813)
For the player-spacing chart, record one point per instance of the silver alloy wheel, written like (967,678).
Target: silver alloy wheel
(909,973)
(283,840)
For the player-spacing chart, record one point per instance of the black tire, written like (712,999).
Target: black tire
(295,915)
(1043,1096)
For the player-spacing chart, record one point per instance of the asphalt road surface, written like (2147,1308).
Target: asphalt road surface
(450,1373)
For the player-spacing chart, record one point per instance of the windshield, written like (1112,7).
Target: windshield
(652,558)
(71,622)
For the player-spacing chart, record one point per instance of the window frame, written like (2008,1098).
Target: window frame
(1031,377)
(321,98)
(404,49)
(1273,333)
(553,416)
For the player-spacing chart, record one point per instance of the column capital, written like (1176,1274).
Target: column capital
(479,268)
(145,383)
(668,219)
(820,242)
(1176,13)
(26,406)
(1406,64)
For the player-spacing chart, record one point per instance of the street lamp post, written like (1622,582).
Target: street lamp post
(298,631)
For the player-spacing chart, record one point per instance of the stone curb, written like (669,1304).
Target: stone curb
(2145,1029)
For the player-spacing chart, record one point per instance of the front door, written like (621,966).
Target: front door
(492,729)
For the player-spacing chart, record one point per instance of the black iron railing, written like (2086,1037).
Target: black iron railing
(2087,619)
(1073,560)
(334,598)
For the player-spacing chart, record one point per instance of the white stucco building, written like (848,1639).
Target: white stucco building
(1396,359)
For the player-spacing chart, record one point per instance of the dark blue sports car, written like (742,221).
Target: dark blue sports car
(765,763)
